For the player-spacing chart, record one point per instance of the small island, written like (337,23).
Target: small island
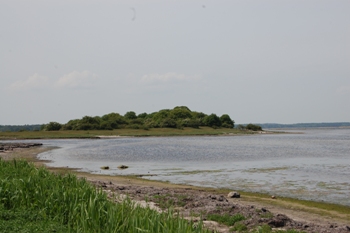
(179,121)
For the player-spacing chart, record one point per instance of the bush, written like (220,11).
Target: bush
(194,123)
(53,126)
(130,115)
(212,120)
(226,121)
(168,123)
(254,127)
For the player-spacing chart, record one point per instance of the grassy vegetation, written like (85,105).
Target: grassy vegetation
(226,219)
(169,201)
(120,132)
(35,200)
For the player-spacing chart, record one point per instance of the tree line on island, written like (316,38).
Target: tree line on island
(179,117)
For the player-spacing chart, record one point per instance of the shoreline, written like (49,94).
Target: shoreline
(315,215)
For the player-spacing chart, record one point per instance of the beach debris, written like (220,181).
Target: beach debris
(123,167)
(105,167)
(233,195)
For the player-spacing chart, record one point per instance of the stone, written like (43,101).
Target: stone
(279,221)
(233,195)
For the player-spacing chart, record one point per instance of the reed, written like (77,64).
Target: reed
(69,204)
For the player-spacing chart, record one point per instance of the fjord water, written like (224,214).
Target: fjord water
(313,164)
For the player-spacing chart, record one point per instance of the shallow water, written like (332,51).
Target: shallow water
(313,165)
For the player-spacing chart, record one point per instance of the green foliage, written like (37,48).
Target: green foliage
(226,219)
(194,123)
(264,229)
(253,127)
(179,117)
(26,220)
(52,126)
(239,227)
(226,121)
(130,115)
(35,200)
(142,115)
(268,215)
(167,123)
(180,113)
(212,120)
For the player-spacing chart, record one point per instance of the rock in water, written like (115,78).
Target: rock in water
(123,167)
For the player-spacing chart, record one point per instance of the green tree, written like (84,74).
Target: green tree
(212,120)
(114,120)
(71,125)
(226,121)
(53,126)
(194,123)
(180,113)
(89,123)
(168,123)
(130,115)
(142,115)
(162,114)
(199,116)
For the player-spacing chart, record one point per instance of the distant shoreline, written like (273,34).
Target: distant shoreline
(305,125)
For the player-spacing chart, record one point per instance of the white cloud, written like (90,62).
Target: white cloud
(343,90)
(168,77)
(35,81)
(75,79)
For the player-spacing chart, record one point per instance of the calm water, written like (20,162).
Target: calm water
(314,165)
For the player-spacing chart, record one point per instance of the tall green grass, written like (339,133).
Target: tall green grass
(64,203)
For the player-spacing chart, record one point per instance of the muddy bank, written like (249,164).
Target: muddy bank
(6,147)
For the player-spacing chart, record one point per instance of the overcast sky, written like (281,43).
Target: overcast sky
(271,61)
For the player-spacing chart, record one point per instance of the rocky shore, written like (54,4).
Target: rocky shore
(6,147)
(192,203)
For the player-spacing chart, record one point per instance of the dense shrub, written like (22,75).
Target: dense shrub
(179,117)
(253,127)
